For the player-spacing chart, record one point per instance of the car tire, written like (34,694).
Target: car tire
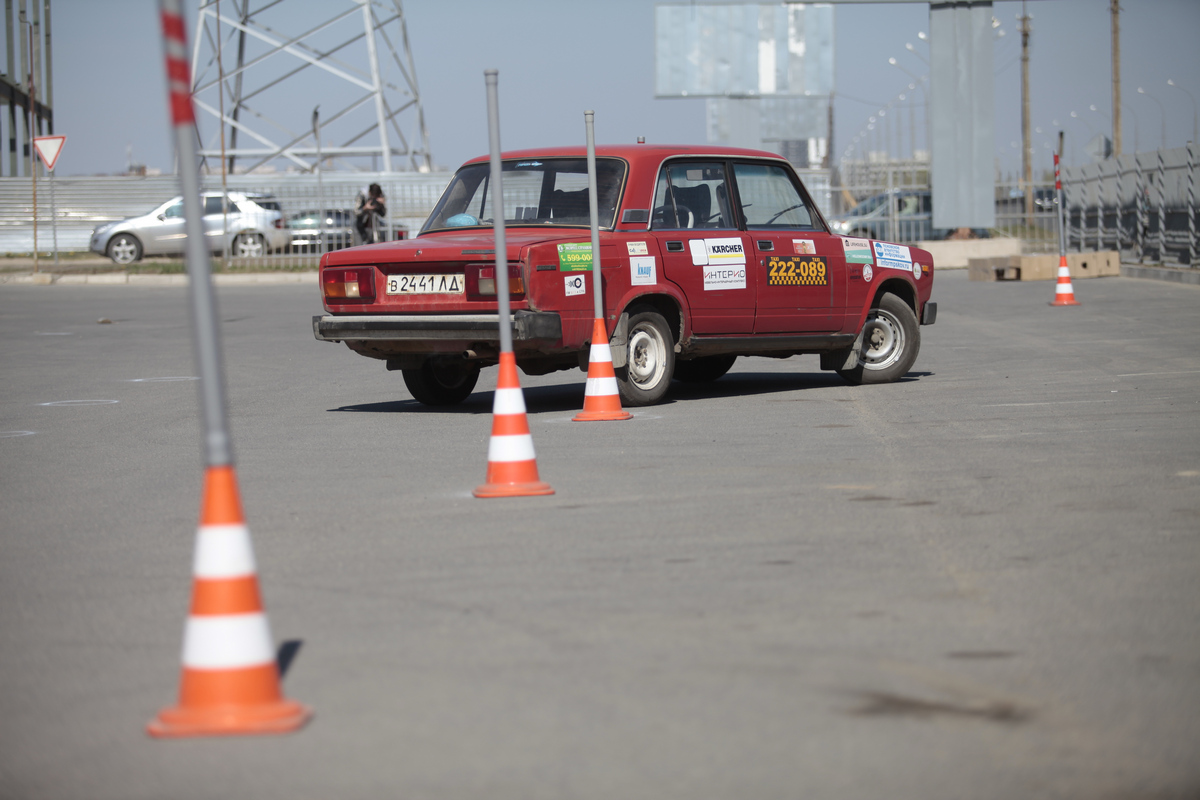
(441,382)
(124,248)
(890,342)
(649,360)
(703,369)
(249,245)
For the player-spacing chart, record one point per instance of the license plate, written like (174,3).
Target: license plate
(425,284)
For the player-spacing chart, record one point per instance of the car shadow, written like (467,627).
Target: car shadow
(568,397)
(557,398)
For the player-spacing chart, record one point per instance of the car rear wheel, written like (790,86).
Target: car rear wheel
(440,382)
(650,359)
(124,249)
(704,369)
(890,342)
(249,245)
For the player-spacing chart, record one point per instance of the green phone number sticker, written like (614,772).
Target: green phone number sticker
(575,257)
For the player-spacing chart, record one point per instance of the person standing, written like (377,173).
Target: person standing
(370,207)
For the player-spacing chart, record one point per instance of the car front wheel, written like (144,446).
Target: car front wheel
(441,383)
(124,249)
(890,342)
(650,361)
(249,245)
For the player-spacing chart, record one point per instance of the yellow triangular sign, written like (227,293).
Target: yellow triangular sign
(48,147)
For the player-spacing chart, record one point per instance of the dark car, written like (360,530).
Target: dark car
(707,254)
(305,230)
(901,215)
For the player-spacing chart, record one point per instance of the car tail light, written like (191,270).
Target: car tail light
(279,222)
(484,283)
(353,285)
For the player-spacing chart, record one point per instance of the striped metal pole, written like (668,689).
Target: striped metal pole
(1116,163)
(1191,205)
(230,682)
(1062,201)
(1142,213)
(1162,211)
(217,447)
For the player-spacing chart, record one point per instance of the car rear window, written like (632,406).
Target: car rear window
(537,191)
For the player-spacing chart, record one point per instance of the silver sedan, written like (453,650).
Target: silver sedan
(252,225)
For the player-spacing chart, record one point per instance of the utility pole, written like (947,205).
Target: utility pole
(1115,5)
(1026,135)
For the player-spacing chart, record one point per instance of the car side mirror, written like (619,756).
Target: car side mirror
(162,217)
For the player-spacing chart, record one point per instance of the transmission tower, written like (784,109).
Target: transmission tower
(265,69)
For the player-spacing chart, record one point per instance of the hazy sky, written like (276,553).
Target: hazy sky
(559,57)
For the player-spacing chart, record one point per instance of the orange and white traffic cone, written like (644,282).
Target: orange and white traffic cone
(512,465)
(230,682)
(1064,293)
(601,400)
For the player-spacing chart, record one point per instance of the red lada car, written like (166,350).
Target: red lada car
(706,254)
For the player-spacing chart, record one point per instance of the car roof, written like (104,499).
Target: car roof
(653,153)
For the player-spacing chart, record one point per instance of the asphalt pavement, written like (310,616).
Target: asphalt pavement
(979,582)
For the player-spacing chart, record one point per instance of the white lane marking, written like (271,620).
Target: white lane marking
(164,380)
(1143,374)
(1048,403)
(15,434)
(53,333)
(80,403)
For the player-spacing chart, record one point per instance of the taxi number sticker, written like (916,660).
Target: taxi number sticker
(810,271)
(425,284)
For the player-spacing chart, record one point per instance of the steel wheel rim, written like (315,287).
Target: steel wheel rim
(646,361)
(883,340)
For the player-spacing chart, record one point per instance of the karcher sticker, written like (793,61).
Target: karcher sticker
(575,256)
(718,277)
(858,251)
(637,248)
(642,271)
(706,252)
(804,247)
(809,271)
(574,285)
(893,256)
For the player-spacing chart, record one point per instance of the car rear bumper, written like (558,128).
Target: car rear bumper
(526,326)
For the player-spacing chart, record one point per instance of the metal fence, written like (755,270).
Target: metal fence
(892,200)
(80,204)
(1143,205)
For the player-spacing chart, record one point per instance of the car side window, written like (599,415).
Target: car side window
(692,195)
(174,210)
(770,199)
(212,205)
